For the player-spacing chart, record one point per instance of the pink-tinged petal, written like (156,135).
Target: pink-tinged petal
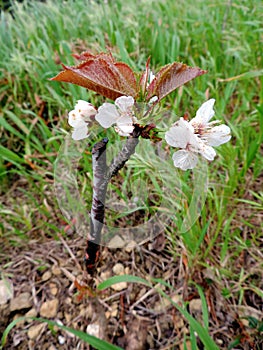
(218,135)
(80,133)
(208,152)
(124,103)
(185,160)
(180,134)
(124,130)
(86,109)
(204,113)
(107,115)
(75,119)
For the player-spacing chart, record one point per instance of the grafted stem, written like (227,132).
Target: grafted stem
(101,177)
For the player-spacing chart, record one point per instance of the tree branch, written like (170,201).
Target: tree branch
(99,167)
(101,177)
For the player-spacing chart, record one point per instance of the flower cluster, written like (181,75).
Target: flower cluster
(108,114)
(120,114)
(79,119)
(197,137)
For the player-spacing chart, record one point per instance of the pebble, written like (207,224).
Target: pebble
(119,286)
(34,331)
(116,242)
(195,305)
(68,317)
(56,270)
(61,340)
(53,289)
(49,309)
(46,276)
(118,269)
(31,313)
(93,329)
(23,301)
(6,291)
(130,246)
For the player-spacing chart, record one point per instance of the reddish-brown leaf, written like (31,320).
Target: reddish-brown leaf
(101,74)
(170,77)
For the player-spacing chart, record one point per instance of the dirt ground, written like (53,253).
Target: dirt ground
(132,316)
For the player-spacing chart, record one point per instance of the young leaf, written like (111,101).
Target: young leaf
(170,77)
(144,77)
(100,73)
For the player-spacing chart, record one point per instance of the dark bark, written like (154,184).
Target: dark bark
(99,167)
(101,177)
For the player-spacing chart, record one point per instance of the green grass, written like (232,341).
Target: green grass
(223,37)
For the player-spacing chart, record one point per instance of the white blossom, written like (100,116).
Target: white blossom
(196,137)
(79,119)
(207,131)
(181,135)
(121,114)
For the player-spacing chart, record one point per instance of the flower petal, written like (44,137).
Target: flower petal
(107,115)
(124,103)
(218,135)
(80,133)
(124,130)
(75,119)
(185,160)
(180,134)
(207,152)
(86,109)
(204,113)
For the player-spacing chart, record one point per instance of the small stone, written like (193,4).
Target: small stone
(130,246)
(219,341)
(116,242)
(118,269)
(195,305)
(49,309)
(107,314)
(53,289)
(244,321)
(67,317)
(6,291)
(176,298)
(105,275)
(23,301)
(119,286)
(31,313)
(56,270)
(34,331)
(61,340)
(114,313)
(46,276)
(93,329)
(60,314)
